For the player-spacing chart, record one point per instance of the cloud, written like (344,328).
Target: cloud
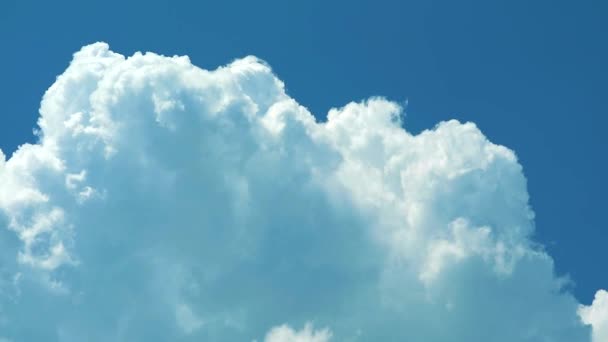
(596,315)
(167,202)
(285,333)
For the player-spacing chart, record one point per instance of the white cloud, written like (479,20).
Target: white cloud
(186,319)
(214,205)
(284,333)
(596,315)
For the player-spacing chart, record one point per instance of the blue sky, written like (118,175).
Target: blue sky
(531,75)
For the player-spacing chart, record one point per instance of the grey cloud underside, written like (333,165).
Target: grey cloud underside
(169,203)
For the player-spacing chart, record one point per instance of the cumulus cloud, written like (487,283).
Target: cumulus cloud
(284,333)
(596,315)
(164,202)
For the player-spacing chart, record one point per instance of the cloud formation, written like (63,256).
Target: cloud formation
(285,333)
(215,206)
(596,315)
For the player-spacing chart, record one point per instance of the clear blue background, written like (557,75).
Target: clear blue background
(531,74)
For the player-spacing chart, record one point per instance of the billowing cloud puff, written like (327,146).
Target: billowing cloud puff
(164,202)
(596,315)
(285,333)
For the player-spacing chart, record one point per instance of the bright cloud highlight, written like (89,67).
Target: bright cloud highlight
(165,202)
(285,333)
(596,315)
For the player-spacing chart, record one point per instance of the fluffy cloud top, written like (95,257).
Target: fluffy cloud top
(285,333)
(164,202)
(597,316)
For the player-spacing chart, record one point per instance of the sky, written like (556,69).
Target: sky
(530,76)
